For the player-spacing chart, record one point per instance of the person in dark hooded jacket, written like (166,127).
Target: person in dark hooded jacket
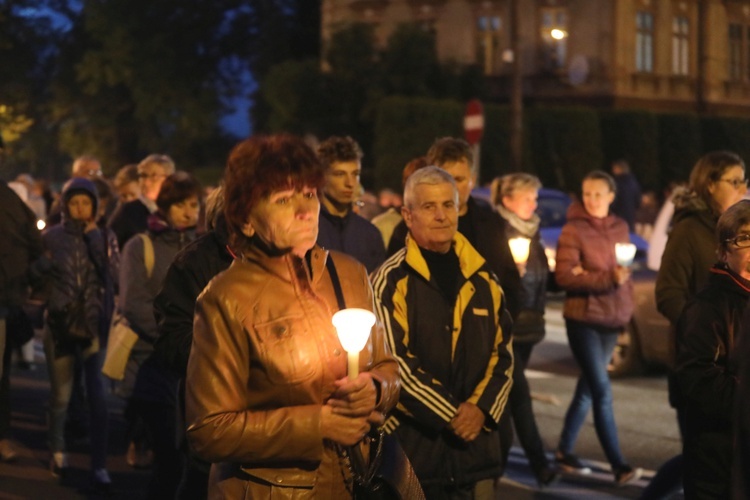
(75,265)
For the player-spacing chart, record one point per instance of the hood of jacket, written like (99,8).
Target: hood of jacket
(688,204)
(78,185)
(576,211)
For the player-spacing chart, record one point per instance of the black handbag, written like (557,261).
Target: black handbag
(70,324)
(386,473)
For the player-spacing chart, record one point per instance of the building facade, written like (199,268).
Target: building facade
(667,55)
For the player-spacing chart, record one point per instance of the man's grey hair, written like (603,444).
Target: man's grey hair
(164,161)
(431,175)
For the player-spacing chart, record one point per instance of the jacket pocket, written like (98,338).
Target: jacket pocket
(287,352)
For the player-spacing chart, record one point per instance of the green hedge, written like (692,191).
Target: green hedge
(561,144)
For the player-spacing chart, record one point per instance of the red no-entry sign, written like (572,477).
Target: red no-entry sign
(474,122)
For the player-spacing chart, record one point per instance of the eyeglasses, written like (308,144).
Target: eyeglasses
(736,183)
(95,173)
(741,241)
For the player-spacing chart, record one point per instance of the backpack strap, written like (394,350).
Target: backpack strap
(148,254)
(335,280)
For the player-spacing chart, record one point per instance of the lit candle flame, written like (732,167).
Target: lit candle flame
(353,327)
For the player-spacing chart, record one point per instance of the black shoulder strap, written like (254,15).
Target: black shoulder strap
(336,282)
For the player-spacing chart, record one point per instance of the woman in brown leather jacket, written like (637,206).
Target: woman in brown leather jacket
(267,394)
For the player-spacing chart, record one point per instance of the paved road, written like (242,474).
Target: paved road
(551,376)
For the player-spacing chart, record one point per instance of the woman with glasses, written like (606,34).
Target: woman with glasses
(716,182)
(706,369)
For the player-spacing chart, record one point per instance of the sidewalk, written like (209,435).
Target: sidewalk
(28,477)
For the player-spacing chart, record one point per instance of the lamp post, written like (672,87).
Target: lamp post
(353,327)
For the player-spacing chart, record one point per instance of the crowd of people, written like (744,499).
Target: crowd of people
(238,383)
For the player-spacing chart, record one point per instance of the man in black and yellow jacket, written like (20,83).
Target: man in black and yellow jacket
(446,322)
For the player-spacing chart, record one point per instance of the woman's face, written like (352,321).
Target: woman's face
(729,189)
(129,192)
(597,197)
(184,214)
(738,259)
(522,202)
(80,207)
(286,220)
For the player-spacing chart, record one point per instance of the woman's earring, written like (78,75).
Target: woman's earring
(248,230)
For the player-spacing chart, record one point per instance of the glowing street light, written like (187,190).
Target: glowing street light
(353,327)
(558,34)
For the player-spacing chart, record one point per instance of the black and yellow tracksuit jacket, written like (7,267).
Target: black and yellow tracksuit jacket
(448,353)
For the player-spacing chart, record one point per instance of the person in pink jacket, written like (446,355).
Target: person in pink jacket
(598,306)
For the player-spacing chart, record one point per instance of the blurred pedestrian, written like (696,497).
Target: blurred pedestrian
(389,220)
(628,197)
(75,264)
(341,228)
(174,308)
(149,386)
(515,198)
(598,306)
(131,218)
(447,325)
(126,183)
(20,245)
(268,398)
(717,181)
(707,361)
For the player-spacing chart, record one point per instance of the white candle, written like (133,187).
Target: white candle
(624,253)
(519,247)
(353,327)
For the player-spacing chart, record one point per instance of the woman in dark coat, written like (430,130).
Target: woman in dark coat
(515,199)
(707,361)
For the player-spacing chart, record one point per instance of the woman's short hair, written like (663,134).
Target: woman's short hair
(164,161)
(730,223)
(411,167)
(430,175)
(260,165)
(709,169)
(601,175)
(509,184)
(176,188)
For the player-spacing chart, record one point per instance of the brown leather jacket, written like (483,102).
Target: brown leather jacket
(264,360)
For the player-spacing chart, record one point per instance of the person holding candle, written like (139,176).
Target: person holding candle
(598,306)
(446,321)
(515,199)
(268,400)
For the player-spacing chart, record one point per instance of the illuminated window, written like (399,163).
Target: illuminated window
(554,34)
(488,42)
(644,42)
(680,41)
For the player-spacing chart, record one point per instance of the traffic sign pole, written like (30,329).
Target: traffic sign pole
(474,130)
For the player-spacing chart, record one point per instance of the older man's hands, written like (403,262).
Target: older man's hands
(468,422)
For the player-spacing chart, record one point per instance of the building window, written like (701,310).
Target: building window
(554,35)
(739,56)
(680,44)
(644,42)
(488,42)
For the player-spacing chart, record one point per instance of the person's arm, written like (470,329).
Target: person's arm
(571,273)
(673,281)
(700,338)
(422,396)
(135,300)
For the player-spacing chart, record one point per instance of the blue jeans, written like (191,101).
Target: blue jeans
(592,348)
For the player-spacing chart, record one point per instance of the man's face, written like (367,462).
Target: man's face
(461,173)
(433,217)
(150,179)
(88,169)
(342,182)
(286,220)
